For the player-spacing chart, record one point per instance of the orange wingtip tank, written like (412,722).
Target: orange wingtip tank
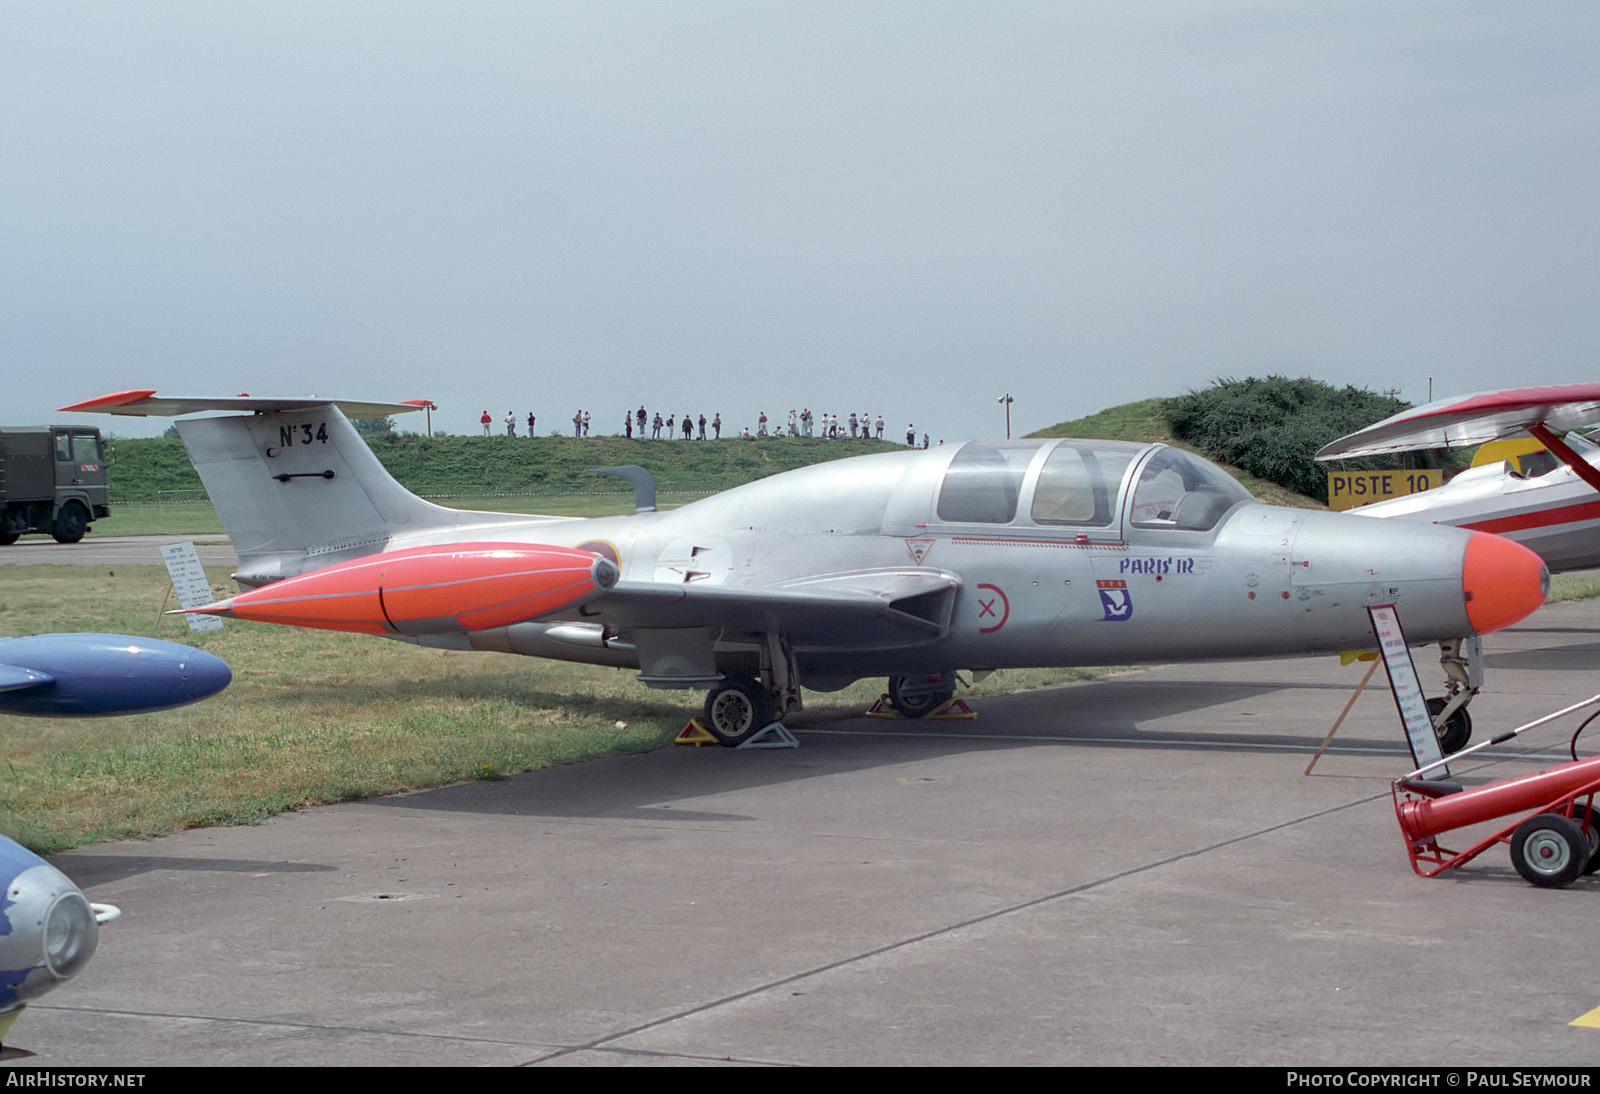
(429,590)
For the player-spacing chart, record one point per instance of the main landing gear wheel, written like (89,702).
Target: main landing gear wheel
(737,709)
(70,523)
(1456,732)
(915,696)
(1549,850)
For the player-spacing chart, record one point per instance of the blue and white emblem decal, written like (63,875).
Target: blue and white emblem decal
(1114,601)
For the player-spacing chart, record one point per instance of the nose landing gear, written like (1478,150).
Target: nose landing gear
(1462,661)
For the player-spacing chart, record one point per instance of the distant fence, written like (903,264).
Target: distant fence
(605,487)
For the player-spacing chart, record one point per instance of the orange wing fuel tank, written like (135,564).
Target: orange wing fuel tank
(429,590)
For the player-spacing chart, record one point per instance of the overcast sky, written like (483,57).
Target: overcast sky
(899,208)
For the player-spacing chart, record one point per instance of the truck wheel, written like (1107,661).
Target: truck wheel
(7,538)
(70,523)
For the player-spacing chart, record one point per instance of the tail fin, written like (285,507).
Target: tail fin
(298,489)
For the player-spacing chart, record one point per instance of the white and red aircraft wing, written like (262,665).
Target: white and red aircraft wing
(1556,514)
(145,403)
(1473,419)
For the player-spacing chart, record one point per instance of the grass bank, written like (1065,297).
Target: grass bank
(311,718)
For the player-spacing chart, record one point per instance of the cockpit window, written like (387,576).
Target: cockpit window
(984,482)
(1177,490)
(1078,485)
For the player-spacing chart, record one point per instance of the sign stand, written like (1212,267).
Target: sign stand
(190,583)
(1408,697)
(1339,721)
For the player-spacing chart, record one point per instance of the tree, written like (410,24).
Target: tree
(1272,428)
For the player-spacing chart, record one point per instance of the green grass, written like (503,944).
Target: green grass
(156,469)
(1564,587)
(200,519)
(314,717)
(311,717)
(1144,421)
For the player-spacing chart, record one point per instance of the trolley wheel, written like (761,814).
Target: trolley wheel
(737,709)
(1580,813)
(1456,732)
(1549,850)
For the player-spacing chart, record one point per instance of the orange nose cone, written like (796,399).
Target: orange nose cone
(1503,582)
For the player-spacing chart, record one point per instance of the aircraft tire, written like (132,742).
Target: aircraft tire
(1457,731)
(916,703)
(70,523)
(1549,850)
(737,709)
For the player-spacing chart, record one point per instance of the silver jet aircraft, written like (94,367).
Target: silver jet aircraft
(907,565)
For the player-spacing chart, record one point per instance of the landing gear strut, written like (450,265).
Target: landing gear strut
(1462,661)
(742,706)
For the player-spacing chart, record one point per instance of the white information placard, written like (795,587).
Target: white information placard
(189,582)
(1408,696)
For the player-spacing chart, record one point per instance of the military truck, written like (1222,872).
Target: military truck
(52,479)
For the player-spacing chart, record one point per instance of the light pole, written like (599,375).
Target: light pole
(1007,400)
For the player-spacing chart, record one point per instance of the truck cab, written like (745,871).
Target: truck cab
(52,480)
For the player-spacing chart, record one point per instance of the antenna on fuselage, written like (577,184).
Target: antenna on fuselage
(644,487)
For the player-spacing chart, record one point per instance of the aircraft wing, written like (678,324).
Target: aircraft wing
(1472,419)
(146,403)
(866,609)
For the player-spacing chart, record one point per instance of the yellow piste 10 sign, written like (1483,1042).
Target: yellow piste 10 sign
(1348,489)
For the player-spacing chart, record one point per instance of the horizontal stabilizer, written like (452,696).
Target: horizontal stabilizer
(1472,419)
(146,403)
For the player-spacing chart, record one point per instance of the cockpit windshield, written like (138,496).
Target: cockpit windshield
(1180,491)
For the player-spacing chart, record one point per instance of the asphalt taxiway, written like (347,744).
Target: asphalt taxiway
(92,550)
(1128,871)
